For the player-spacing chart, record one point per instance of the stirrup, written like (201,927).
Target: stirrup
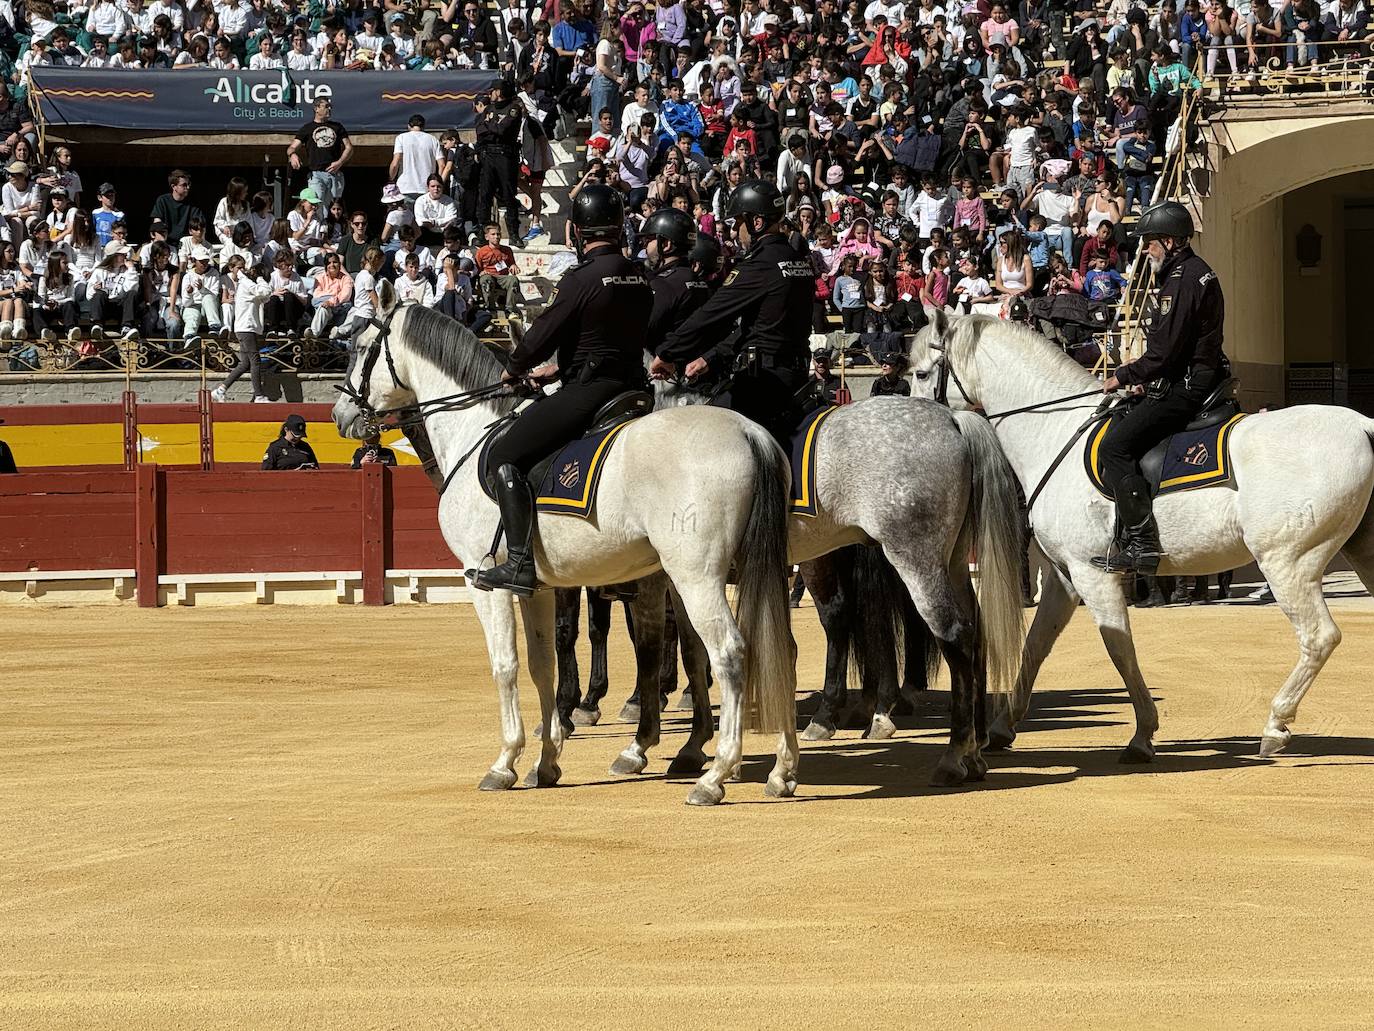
(490,580)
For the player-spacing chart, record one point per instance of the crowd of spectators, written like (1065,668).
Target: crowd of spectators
(980,155)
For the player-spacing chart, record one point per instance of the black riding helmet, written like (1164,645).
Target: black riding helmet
(598,210)
(706,255)
(1168,218)
(757,197)
(672,226)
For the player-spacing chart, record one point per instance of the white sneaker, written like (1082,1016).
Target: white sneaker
(129,334)
(1263,594)
(74,335)
(218,394)
(48,336)
(21,331)
(6,331)
(258,399)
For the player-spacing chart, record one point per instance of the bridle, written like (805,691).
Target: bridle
(411,418)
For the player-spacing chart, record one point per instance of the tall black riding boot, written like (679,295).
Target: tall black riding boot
(1140,551)
(516,502)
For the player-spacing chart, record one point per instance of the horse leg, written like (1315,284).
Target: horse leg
(707,609)
(1056,608)
(598,629)
(1297,586)
(538,613)
(1103,595)
(935,599)
(826,577)
(646,609)
(692,758)
(568,613)
(497,614)
(667,673)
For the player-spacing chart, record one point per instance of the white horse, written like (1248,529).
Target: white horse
(720,501)
(1300,493)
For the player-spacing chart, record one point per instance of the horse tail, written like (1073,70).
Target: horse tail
(882,607)
(997,531)
(765,620)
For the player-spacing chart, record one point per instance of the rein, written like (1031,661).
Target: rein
(413,416)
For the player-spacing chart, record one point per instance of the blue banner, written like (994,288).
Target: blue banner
(207,100)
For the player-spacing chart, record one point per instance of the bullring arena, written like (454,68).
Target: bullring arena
(255,818)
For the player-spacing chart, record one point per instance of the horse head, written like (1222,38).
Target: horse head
(942,367)
(376,380)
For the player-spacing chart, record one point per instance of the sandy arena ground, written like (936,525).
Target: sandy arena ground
(267,818)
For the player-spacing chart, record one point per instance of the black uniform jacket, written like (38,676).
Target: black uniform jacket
(677,294)
(282,454)
(884,387)
(770,294)
(598,312)
(1183,324)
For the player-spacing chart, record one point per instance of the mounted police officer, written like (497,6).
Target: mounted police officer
(1182,363)
(594,324)
(769,294)
(671,239)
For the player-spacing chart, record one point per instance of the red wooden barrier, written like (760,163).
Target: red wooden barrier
(158,520)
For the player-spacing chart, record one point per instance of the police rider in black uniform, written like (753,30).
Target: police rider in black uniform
(893,381)
(770,295)
(594,323)
(671,238)
(1182,363)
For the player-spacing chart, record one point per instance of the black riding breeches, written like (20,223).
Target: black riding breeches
(768,396)
(1145,425)
(551,422)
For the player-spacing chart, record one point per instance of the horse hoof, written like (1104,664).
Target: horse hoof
(817,732)
(497,780)
(777,787)
(949,775)
(537,778)
(704,794)
(630,714)
(1273,744)
(686,702)
(1000,737)
(586,717)
(686,766)
(977,768)
(627,765)
(881,728)
(1136,754)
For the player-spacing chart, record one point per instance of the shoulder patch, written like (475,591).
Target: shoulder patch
(1207,277)
(734,274)
(1166,305)
(553,296)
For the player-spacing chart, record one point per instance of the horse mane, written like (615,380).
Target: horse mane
(453,349)
(1035,352)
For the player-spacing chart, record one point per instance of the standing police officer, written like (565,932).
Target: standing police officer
(671,237)
(1182,363)
(595,324)
(770,295)
(498,153)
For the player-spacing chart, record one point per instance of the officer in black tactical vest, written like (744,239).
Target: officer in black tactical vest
(671,237)
(1182,363)
(769,294)
(595,325)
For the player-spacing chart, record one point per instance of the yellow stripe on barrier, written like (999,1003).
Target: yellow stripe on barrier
(100,443)
(169,443)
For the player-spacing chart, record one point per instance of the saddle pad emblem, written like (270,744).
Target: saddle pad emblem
(569,487)
(1197,454)
(571,475)
(803,450)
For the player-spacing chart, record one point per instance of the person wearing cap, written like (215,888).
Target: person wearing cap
(326,147)
(594,326)
(174,207)
(198,295)
(1183,361)
(769,294)
(21,200)
(106,215)
(290,450)
(117,284)
(307,228)
(892,382)
(371,452)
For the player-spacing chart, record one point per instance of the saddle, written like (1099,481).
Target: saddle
(567,480)
(1196,456)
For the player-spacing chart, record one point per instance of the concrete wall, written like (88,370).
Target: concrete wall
(163,388)
(1270,175)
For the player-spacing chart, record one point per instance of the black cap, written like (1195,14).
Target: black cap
(157,226)
(674,226)
(757,197)
(598,210)
(894,358)
(296,424)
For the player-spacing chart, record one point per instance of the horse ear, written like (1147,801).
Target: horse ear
(386,296)
(939,325)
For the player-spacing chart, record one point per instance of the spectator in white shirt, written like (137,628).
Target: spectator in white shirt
(100,56)
(266,57)
(415,158)
(413,286)
(629,118)
(434,211)
(106,18)
(198,295)
(300,58)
